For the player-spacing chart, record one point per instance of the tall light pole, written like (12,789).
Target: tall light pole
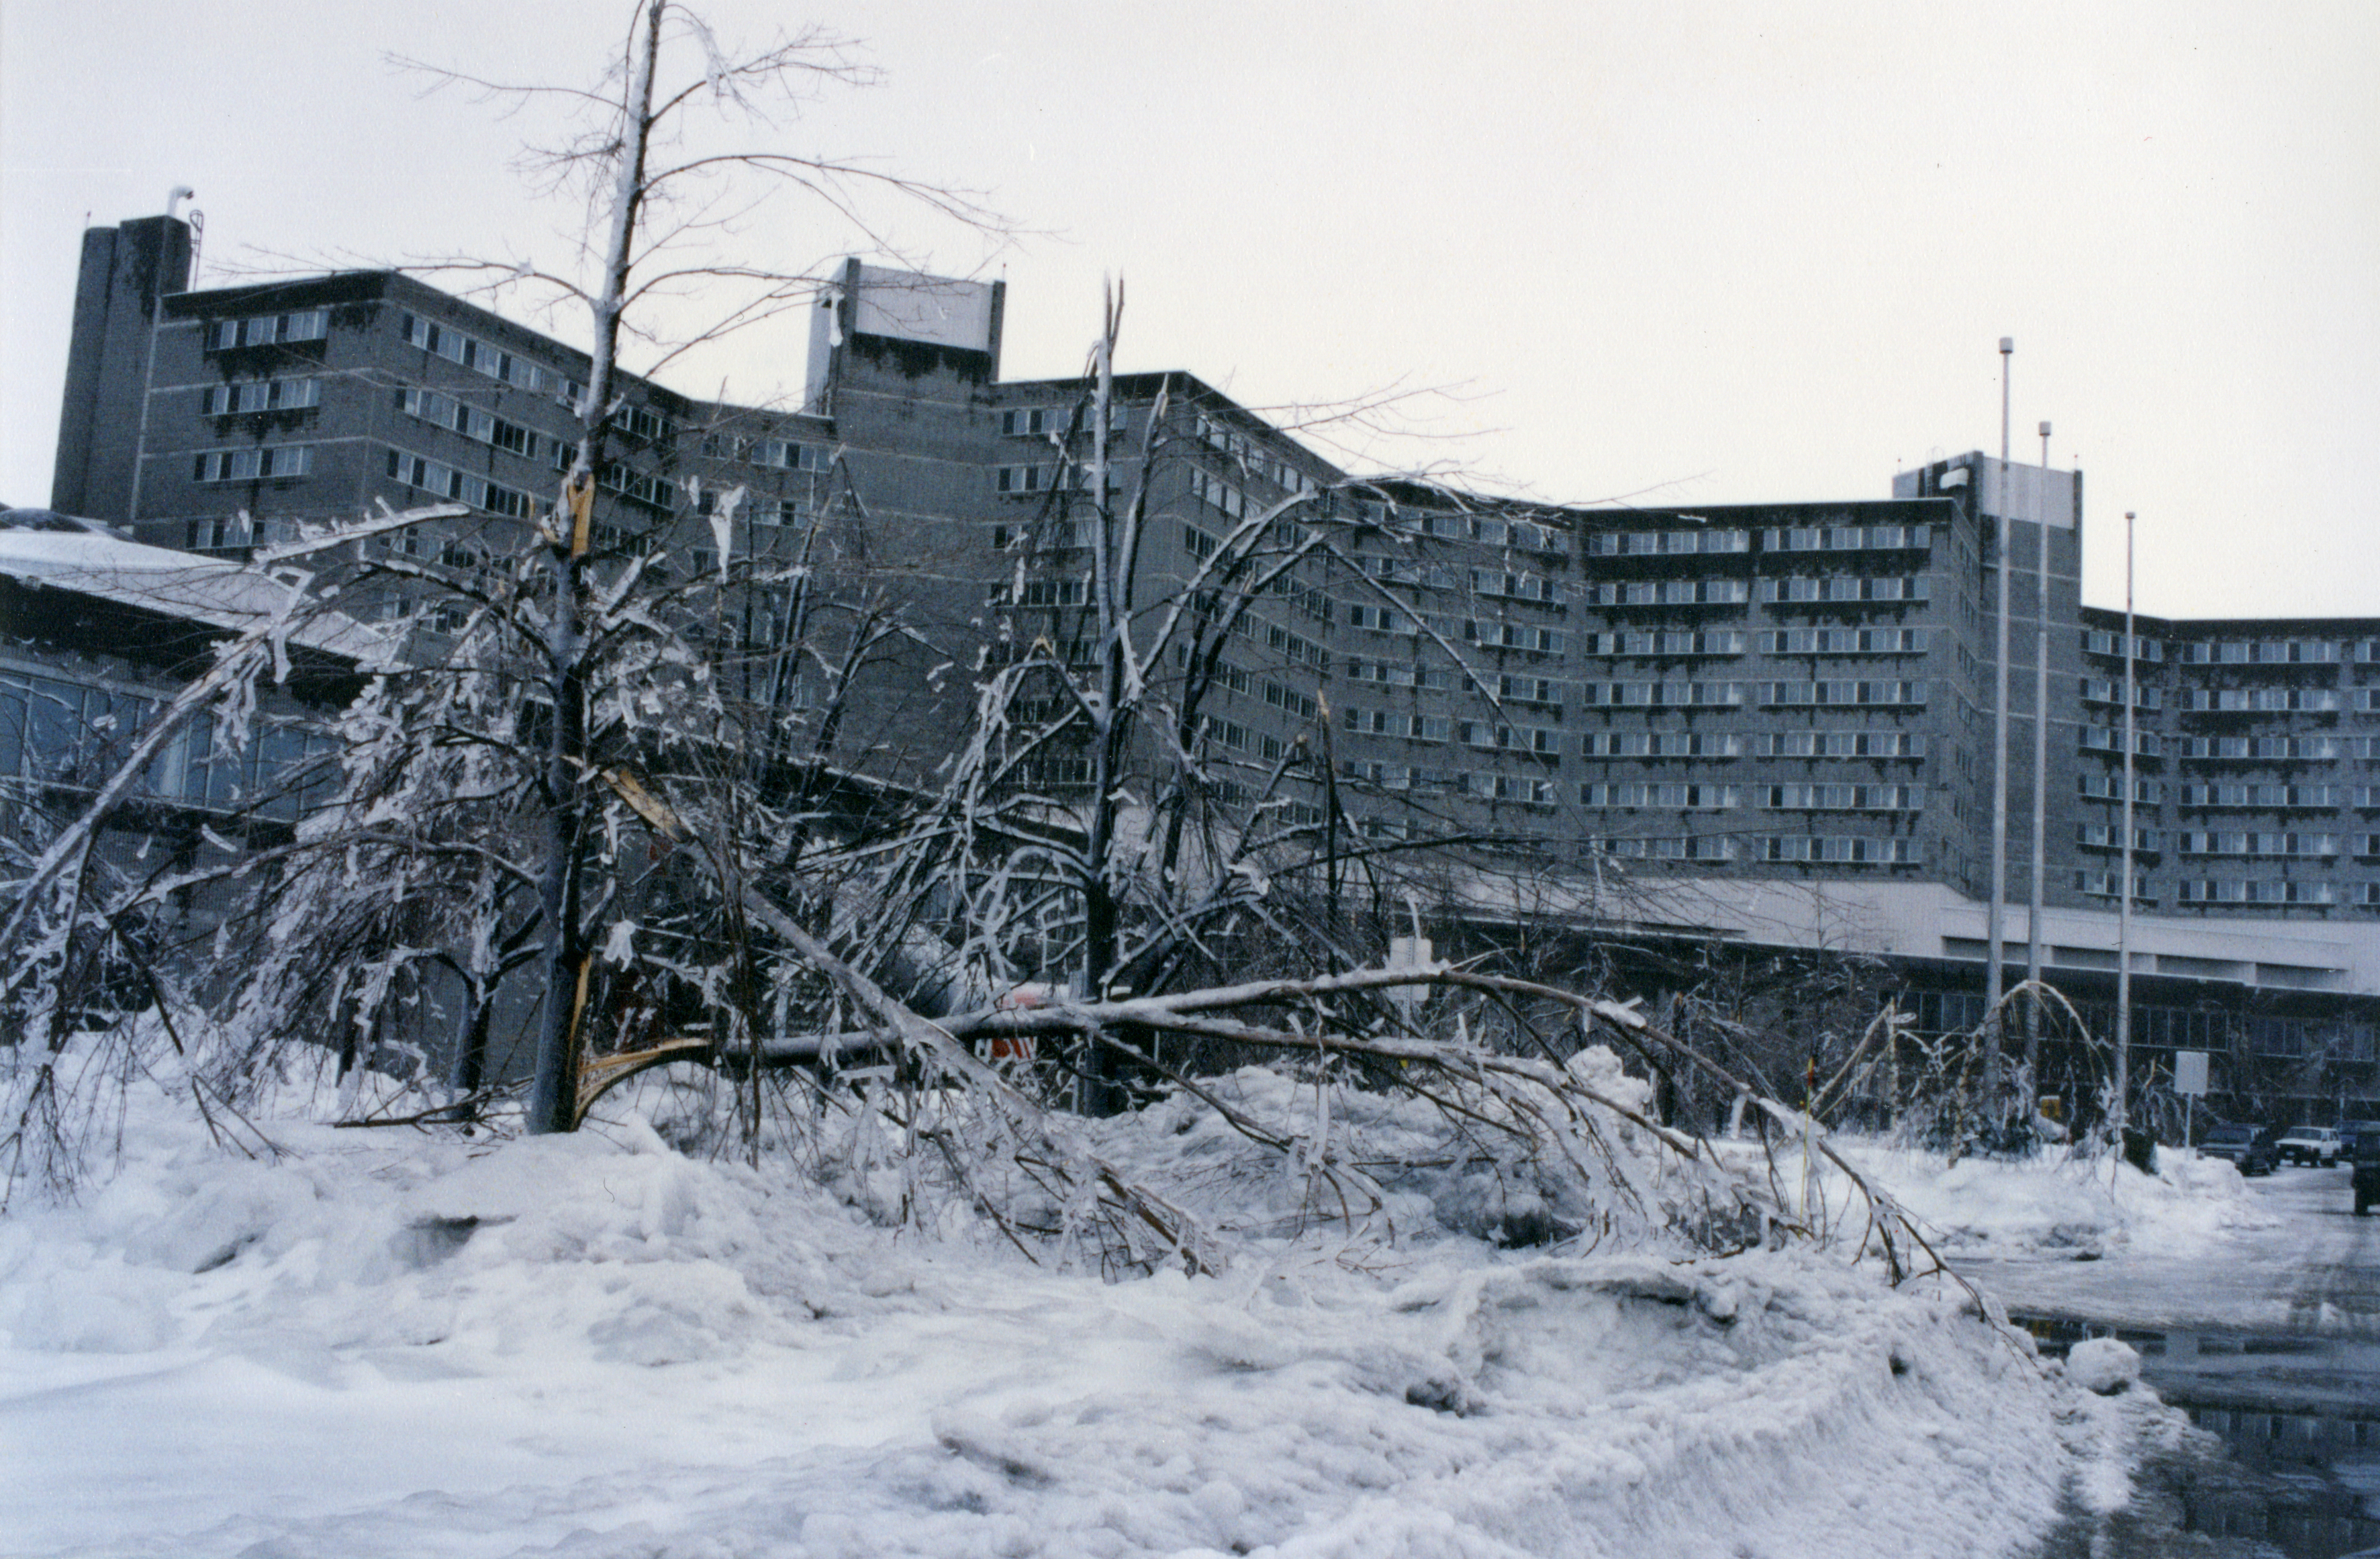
(2124,888)
(1994,932)
(2040,785)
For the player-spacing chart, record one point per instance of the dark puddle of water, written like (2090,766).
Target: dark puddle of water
(2288,1462)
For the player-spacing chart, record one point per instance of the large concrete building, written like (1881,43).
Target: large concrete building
(1772,722)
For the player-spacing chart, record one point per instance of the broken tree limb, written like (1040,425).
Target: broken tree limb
(1027,1120)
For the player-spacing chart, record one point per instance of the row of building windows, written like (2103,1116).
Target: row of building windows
(2270,1035)
(1480,785)
(1759,744)
(1544,741)
(2254,891)
(1236,738)
(785,455)
(1792,590)
(262,394)
(1488,530)
(1528,690)
(2258,700)
(1053,533)
(1703,745)
(1672,847)
(1680,795)
(644,423)
(2260,651)
(1666,543)
(1487,633)
(1845,642)
(1235,679)
(645,487)
(2243,795)
(2176,1027)
(2110,738)
(445,411)
(2099,642)
(1393,776)
(2193,842)
(1678,643)
(254,462)
(1491,635)
(2110,787)
(1847,538)
(1776,641)
(1399,674)
(2101,690)
(1843,797)
(1303,596)
(223,532)
(1799,589)
(2103,884)
(1661,744)
(267,330)
(1290,701)
(1838,743)
(451,551)
(1808,537)
(1524,788)
(1048,421)
(1853,850)
(1845,588)
(1524,533)
(1668,592)
(54,731)
(1697,796)
(1052,592)
(1291,645)
(441,480)
(1420,572)
(2269,748)
(1660,695)
(481,358)
(753,510)
(1210,490)
(1247,451)
(1516,586)
(1840,694)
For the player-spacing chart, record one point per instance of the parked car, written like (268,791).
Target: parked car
(2250,1147)
(2362,1149)
(2317,1145)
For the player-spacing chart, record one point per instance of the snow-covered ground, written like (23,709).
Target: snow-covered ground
(2051,1206)
(399,1343)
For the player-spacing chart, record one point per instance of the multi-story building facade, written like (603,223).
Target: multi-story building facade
(2255,765)
(1772,723)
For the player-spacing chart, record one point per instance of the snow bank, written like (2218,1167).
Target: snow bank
(2049,1205)
(391,1342)
(2101,1365)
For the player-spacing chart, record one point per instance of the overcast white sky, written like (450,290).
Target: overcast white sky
(1683,252)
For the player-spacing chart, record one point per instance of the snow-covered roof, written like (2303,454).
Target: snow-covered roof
(215,592)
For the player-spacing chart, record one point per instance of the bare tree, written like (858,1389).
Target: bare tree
(574,806)
(656,199)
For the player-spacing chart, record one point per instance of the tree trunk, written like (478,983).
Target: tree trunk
(553,1092)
